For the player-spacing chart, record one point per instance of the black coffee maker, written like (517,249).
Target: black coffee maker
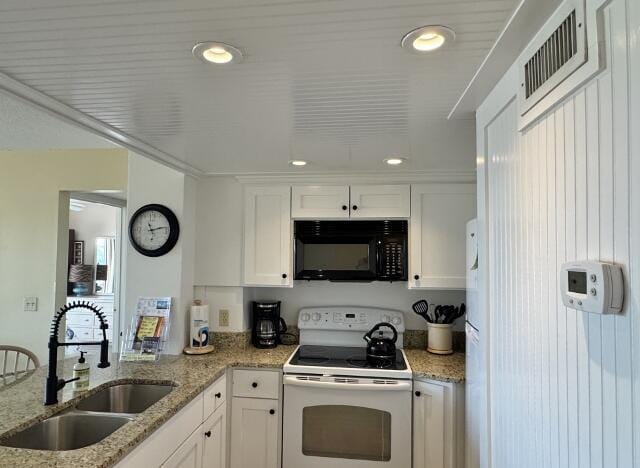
(267,325)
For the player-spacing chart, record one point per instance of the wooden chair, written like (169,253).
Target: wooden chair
(16,361)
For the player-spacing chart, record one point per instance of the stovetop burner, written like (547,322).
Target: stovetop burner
(343,357)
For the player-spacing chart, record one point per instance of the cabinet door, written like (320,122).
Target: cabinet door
(428,426)
(267,236)
(214,431)
(254,433)
(439,214)
(188,455)
(380,201)
(319,201)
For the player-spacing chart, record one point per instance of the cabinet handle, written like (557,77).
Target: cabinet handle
(416,277)
(218,395)
(345,207)
(354,207)
(272,411)
(208,433)
(254,384)
(284,275)
(418,393)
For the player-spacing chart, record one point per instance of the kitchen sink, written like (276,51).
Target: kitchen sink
(124,398)
(67,431)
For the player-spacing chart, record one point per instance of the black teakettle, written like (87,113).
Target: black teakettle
(380,349)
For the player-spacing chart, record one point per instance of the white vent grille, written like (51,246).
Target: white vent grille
(554,53)
(553,56)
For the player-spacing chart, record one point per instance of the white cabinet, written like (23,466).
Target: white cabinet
(380,201)
(267,236)
(319,201)
(196,437)
(438,425)
(355,201)
(255,419)
(254,433)
(214,431)
(439,214)
(188,455)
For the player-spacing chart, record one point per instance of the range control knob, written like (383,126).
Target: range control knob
(396,320)
(386,318)
(316,316)
(305,317)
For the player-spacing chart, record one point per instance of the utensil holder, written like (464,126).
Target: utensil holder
(440,338)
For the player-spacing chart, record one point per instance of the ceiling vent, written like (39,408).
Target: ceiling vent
(553,57)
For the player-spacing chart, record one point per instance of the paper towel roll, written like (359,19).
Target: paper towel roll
(199,315)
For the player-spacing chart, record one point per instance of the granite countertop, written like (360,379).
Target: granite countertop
(21,402)
(446,368)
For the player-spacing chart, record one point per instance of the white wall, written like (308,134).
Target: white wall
(34,214)
(386,295)
(170,274)
(95,220)
(564,385)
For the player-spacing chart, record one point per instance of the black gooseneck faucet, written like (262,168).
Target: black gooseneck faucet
(53,383)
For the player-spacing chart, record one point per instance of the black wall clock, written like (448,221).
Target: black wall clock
(154,230)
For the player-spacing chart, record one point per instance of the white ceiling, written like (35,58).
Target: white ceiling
(322,80)
(24,127)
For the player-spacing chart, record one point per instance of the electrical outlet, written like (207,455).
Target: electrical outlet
(223,317)
(30,304)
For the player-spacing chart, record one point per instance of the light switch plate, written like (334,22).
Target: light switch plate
(30,304)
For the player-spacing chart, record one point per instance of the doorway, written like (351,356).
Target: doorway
(94,274)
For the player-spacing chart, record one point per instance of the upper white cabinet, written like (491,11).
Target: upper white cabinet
(267,236)
(439,214)
(380,201)
(355,201)
(320,201)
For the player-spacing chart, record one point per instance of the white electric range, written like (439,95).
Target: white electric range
(340,411)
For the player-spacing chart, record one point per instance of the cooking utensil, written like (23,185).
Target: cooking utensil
(422,309)
(380,349)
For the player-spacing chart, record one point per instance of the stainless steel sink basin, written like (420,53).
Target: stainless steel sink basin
(66,432)
(125,398)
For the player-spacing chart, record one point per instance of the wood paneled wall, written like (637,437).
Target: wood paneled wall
(565,385)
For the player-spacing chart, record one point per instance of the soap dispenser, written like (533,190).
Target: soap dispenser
(81,372)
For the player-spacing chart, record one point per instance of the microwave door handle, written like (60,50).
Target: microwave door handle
(400,386)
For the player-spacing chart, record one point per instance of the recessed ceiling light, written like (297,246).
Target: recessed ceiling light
(427,38)
(216,52)
(298,162)
(394,161)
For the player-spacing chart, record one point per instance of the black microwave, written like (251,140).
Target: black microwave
(351,250)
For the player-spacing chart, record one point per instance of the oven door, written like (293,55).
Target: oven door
(346,422)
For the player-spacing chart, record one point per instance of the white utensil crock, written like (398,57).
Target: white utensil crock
(439,338)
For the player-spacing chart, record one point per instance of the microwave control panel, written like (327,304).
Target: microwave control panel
(592,287)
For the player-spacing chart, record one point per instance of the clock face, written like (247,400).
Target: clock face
(153,230)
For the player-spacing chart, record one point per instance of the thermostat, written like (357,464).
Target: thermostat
(592,287)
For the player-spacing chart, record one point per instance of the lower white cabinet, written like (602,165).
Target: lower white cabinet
(438,425)
(255,419)
(189,454)
(196,437)
(254,433)
(214,433)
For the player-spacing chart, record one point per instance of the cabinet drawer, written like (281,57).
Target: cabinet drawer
(80,333)
(256,384)
(214,396)
(81,320)
(97,334)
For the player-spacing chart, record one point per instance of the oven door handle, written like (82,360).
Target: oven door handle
(399,386)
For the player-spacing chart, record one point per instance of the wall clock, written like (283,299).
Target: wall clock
(154,230)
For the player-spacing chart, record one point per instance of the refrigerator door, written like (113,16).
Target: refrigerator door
(474,398)
(472,274)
